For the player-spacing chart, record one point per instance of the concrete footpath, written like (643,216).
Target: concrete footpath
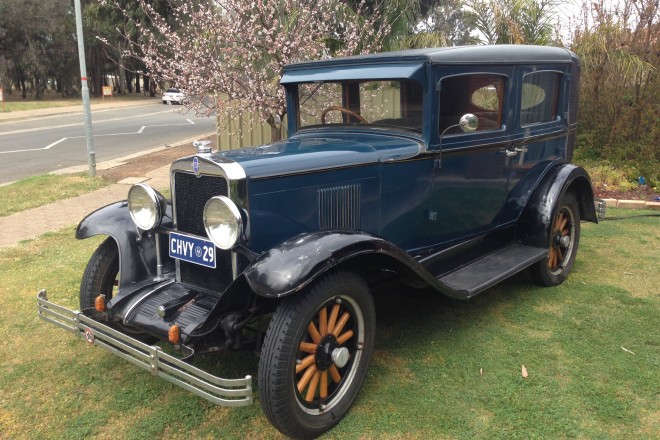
(65,213)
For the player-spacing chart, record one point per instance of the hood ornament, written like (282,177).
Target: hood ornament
(202,147)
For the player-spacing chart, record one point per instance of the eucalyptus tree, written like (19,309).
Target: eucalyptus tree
(445,23)
(36,44)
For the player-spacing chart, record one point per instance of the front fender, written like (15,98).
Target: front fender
(534,225)
(137,252)
(294,264)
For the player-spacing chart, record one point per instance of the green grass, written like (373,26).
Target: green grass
(51,99)
(424,380)
(14,106)
(41,190)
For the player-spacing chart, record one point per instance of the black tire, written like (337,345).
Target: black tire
(285,361)
(561,250)
(101,275)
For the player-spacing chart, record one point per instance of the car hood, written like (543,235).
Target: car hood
(311,153)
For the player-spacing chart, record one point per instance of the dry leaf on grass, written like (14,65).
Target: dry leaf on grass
(524,372)
(627,351)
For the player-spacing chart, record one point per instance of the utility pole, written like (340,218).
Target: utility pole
(91,158)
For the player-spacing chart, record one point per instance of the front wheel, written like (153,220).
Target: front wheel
(564,239)
(101,276)
(316,354)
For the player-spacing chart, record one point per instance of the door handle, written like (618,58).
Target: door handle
(511,153)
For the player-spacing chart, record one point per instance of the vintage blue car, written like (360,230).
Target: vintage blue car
(448,168)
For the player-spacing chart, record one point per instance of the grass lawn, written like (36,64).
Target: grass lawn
(51,99)
(41,190)
(424,381)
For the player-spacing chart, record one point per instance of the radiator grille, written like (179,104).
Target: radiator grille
(191,194)
(339,207)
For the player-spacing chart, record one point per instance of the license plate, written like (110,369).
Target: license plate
(192,249)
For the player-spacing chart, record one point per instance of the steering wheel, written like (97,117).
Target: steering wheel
(343,110)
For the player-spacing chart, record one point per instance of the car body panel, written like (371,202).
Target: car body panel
(393,186)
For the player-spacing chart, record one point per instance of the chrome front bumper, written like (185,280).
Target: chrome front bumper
(224,392)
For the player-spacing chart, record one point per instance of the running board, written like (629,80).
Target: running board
(491,269)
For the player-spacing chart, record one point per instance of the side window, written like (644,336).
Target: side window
(540,95)
(480,94)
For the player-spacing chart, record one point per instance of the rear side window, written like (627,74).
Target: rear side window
(480,94)
(540,95)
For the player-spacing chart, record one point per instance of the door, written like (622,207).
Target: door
(470,181)
(541,132)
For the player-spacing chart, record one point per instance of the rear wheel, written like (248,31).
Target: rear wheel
(101,276)
(564,239)
(316,354)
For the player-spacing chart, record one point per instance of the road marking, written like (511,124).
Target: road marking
(48,147)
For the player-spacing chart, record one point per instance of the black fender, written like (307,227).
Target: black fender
(137,251)
(533,227)
(295,263)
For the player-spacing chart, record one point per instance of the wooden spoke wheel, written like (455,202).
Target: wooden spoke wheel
(315,355)
(564,239)
(343,110)
(101,276)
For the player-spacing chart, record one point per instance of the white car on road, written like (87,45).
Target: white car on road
(173,96)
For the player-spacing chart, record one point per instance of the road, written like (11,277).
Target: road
(36,146)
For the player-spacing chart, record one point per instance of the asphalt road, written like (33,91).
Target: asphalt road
(40,145)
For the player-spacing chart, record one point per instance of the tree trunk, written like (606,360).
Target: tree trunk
(129,81)
(146,83)
(38,88)
(122,70)
(275,129)
(96,74)
(137,83)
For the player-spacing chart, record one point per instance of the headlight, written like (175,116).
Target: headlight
(222,221)
(146,205)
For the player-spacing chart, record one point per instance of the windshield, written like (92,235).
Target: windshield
(375,103)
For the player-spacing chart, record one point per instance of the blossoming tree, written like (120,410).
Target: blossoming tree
(229,54)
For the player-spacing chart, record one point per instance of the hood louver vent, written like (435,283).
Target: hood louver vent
(339,207)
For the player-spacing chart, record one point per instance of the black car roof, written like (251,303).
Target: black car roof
(492,54)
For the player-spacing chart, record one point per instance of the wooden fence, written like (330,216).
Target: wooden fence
(249,131)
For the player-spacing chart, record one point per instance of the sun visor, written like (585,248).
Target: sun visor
(355,72)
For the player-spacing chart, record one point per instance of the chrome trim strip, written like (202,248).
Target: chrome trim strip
(223,392)
(317,170)
(159,262)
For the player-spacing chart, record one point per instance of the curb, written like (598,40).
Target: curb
(113,163)
(632,204)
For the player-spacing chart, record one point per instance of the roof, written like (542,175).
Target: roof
(492,54)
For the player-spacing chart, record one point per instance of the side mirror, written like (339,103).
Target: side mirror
(468,123)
